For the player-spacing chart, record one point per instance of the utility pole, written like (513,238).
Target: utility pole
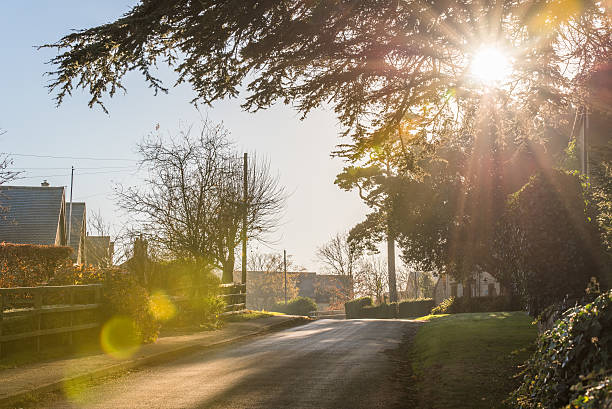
(585,142)
(70,211)
(244,219)
(285,270)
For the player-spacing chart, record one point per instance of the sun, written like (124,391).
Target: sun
(490,65)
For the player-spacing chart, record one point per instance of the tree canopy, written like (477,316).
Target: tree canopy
(377,62)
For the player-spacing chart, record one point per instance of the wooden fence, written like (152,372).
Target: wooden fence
(22,304)
(33,303)
(234,296)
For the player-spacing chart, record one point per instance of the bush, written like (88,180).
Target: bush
(125,297)
(415,308)
(207,311)
(352,308)
(28,265)
(444,306)
(381,311)
(457,305)
(571,365)
(297,306)
(363,308)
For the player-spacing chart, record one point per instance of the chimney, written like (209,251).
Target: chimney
(45,183)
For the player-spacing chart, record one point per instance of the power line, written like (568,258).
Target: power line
(67,157)
(80,174)
(78,167)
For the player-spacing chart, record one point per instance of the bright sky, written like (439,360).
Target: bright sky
(298,150)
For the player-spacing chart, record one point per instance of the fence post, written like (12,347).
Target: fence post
(71,294)
(1,318)
(97,295)
(37,309)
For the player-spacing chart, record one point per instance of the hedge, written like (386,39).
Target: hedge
(297,306)
(29,265)
(415,308)
(457,305)
(571,365)
(363,308)
(352,308)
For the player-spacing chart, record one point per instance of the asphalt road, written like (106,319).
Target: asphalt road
(324,364)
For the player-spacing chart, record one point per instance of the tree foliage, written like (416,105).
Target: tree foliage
(375,61)
(571,365)
(542,258)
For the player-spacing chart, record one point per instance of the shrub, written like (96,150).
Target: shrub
(444,306)
(28,265)
(175,276)
(352,308)
(415,308)
(80,274)
(381,311)
(297,306)
(207,311)
(457,305)
(571,365)
(125,297)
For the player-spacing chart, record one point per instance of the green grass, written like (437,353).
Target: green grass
(469,360)
(430,317)
(250,315)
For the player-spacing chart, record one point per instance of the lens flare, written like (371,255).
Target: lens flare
(490,65)
(119,337)
(161,306)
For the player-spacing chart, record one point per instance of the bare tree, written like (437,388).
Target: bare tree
(371,278)
(340,256)
(6,174)
(191,206)
(267,285)
(271,262)
(97,225)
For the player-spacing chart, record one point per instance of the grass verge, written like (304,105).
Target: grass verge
(250,315)
(469,360)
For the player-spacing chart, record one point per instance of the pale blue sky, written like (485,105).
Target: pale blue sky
(299,150)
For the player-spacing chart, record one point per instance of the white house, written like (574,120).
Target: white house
(482,284)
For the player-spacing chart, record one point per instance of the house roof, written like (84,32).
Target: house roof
(30,214)
(77,226)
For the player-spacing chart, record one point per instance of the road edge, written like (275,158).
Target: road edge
(154,359)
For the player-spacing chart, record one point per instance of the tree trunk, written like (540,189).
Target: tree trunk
(228,268)
(391,267)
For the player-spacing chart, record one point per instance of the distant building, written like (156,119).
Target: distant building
(33,215)
(99,251)
(482,284)
(326,289)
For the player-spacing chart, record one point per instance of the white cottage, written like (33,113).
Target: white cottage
(483,284)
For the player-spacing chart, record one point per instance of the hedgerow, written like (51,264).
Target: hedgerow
(457,305)
(572,365)
(297,306)
(352,308)
(29,265)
